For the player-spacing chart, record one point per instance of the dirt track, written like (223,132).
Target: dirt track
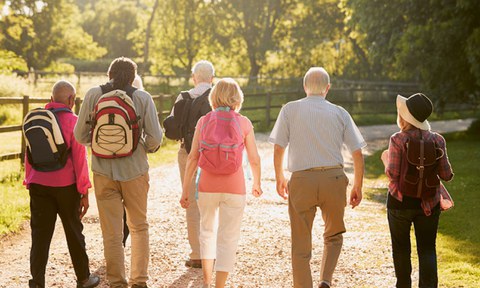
(263,258)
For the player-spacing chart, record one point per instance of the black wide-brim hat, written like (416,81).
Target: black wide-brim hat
(415,110)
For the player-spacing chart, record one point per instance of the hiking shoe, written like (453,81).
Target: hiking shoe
(90,282)
(139,286)
(194,263)
(324,285)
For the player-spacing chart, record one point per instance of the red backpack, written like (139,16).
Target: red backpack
(221,142)
(115,132)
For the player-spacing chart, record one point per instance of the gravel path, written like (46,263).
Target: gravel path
(264,249)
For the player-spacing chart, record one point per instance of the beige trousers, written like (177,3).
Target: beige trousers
(221,217)
(112,196)
(192,214)
(309,190)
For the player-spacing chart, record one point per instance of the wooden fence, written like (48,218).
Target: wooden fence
(161,101)
(263,108)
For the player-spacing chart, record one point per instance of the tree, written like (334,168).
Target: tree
(182,34)
(44,31)
(148,32)
(113,26)
(256,22)
(434,42)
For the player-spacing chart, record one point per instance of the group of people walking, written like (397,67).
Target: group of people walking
(313,129)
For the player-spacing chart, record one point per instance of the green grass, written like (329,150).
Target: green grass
(14,200)
(458,242)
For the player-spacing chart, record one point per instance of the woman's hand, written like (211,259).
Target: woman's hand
(257,190)
(184,202)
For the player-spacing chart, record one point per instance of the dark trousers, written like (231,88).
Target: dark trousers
(45,204)
(400,222)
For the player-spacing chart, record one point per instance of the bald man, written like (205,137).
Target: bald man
(63,192)
(315,131)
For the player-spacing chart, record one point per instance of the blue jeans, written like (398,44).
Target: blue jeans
(400,222)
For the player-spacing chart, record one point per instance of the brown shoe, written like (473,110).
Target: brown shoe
(194,263)
(324,285)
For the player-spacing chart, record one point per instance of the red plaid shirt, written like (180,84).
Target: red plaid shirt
(397,150)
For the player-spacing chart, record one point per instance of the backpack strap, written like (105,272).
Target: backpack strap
(186,110)
(107,87)
(63,109)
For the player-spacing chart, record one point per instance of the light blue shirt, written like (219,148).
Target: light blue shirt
(315,131)
(130,167)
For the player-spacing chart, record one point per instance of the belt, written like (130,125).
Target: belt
(324,168)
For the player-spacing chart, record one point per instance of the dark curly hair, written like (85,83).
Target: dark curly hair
(122,70)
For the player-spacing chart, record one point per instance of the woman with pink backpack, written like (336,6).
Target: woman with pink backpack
(218,143)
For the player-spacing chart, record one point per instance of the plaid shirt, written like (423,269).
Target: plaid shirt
(397,150)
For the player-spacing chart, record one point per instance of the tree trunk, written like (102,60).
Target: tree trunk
(148,31)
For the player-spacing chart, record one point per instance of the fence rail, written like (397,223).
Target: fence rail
(262,108)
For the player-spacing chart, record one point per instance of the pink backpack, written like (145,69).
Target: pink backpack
(221,142)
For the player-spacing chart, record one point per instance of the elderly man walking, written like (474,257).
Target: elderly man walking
(58,190)
(202,76)
(315,131)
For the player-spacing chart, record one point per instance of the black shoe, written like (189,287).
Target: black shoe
(139,286)
(194,263)
(92,281)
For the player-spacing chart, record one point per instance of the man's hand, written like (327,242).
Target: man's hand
(355,196)
(282,187)
(83,205)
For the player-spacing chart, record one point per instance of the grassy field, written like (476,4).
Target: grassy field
(458,242)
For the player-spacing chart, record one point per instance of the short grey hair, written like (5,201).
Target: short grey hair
(61,90)
(316,81)
(203,71)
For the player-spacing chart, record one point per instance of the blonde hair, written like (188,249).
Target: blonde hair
(316,81)
(226,93)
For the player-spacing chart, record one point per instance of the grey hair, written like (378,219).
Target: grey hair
(61,90)
(203,70)
(316,81)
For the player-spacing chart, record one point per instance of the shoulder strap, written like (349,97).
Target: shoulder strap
(107,87)
(186,95)
(61,110)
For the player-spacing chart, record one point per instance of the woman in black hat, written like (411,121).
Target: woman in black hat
(405,206)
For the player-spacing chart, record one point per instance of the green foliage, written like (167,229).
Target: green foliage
(112,26)
(435,43)
(10,62)
(41,34)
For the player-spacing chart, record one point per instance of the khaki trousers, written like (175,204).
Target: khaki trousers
(308,190)
(112,196)
(192,213)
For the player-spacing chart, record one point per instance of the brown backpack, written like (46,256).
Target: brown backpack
(419,168)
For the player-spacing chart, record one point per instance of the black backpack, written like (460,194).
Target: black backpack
(45,146)
(186,112)
(419,168)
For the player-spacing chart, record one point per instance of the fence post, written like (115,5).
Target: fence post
(267,112)
(78,102)
(160,108)
(78,79)
(25,108)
